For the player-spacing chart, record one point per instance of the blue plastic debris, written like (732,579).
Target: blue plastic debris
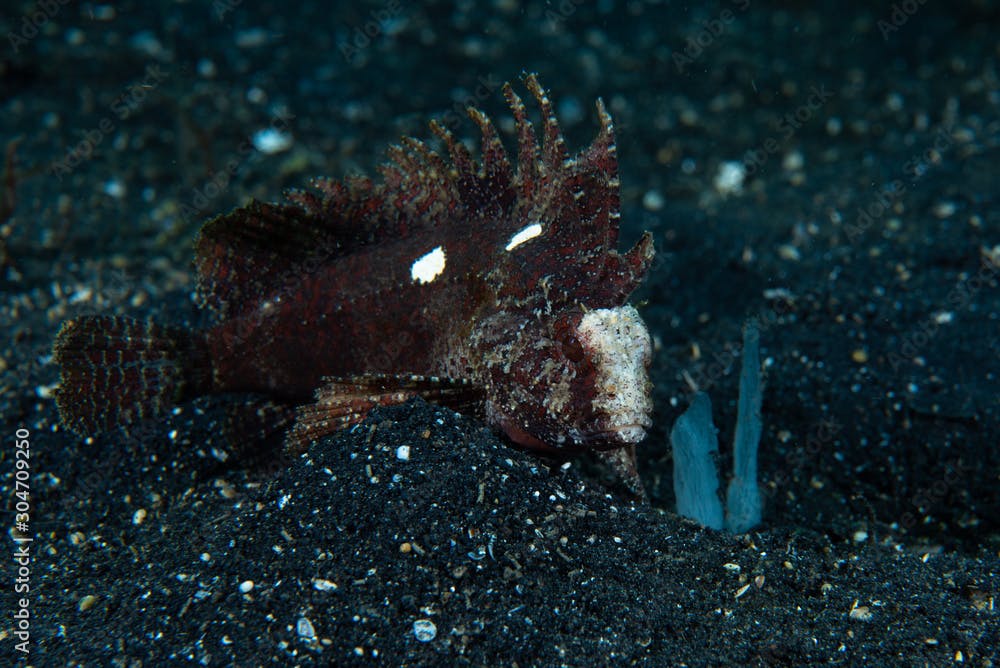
(696,446)
(743,503)
(696,481)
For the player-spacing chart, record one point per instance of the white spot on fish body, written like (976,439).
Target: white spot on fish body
(523,235)
(429,266)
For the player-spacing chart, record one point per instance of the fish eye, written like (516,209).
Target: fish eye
(572,349)
(564,332)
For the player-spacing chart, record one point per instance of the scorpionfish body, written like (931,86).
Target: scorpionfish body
(486,287)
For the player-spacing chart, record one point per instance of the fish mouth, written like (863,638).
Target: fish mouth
(627,432)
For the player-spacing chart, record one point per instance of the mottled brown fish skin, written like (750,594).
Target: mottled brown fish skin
(346,319)
(480,284)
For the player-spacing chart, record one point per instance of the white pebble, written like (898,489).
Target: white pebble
(114,188)
(305,628)
(730,177)
(271,141)
(652,200)
(793,161)
(320,584)
(207,68)
(424,630)
(251,38)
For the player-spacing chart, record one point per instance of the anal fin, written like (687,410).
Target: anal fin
(343,402)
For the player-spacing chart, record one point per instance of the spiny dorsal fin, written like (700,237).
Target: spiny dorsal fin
(241,255)
(527,146)
(495,171)
(554,147)
(244,256)
(577,204)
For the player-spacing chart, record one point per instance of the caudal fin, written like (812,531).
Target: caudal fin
(117,370)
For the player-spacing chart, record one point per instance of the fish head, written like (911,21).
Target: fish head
(575,381)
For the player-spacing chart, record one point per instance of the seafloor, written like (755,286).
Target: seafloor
(829,169)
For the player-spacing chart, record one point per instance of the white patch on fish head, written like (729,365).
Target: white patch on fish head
(618,345)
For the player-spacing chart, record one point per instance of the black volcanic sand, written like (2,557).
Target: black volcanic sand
(510,559)
(864,237)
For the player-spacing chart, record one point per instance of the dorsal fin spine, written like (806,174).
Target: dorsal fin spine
(554,148)
(527,151)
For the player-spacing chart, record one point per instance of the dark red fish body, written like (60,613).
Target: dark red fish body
(471,283)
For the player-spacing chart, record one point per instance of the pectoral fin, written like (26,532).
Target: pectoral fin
(344,402)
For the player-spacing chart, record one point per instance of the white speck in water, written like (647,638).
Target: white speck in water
(271,140)
(729,179)
(114,188)
(652,200)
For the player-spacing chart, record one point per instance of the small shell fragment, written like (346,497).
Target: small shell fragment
(305,629)
(320,584)
(424,630)
(860,613)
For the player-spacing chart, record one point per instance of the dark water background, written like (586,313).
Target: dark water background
(828,169)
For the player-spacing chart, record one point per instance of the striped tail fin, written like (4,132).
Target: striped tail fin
(117,370)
